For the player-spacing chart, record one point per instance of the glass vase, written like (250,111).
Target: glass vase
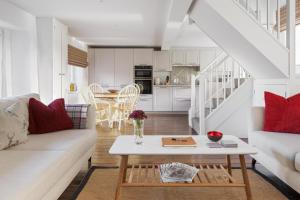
(138,130)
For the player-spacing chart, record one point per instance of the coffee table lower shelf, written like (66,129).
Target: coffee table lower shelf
(210,175)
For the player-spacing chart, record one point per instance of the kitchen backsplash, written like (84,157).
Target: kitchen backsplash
(180,75)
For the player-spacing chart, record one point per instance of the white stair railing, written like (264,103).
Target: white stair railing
(215,84)
(267,14)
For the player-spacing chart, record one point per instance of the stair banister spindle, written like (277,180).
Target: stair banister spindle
(202,103)
(239,75)
(193,95)
(257,10)
(217,84)
(223,82)
(210,90)
(268,15)
(231,78)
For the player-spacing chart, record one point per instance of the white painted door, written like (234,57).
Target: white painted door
(105,67)
(143,56)
(162,98)
(123,67)
(192,57)
(162,61)
(178,57)
(65,78)
(57,62)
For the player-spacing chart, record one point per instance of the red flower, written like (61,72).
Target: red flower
(138,114)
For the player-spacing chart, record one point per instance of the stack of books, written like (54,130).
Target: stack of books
(223,144)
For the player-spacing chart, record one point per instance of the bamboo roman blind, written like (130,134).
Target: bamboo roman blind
(283,16)
(77,57)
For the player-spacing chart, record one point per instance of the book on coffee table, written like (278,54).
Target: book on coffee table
(178,142)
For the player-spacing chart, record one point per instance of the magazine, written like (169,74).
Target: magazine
(177,172)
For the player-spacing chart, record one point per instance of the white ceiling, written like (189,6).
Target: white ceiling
(108,22)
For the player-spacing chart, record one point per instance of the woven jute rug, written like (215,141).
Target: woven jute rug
(101,185)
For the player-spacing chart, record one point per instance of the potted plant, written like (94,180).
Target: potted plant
(138,117)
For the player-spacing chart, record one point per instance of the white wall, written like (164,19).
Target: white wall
(23,47)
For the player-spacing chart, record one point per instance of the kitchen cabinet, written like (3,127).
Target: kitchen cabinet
(207,56)
(145,103)
(162,98)
(123,67)
(162,61)
(178,57)
(52,41)
(181,98)
(104,67)
(143,57)
(192,57)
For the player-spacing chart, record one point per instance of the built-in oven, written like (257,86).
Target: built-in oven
(143,77)
(142,72)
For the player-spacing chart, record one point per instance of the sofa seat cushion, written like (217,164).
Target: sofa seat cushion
(282,146)
(297,162)
(30,170)
(31,174)
(75,140)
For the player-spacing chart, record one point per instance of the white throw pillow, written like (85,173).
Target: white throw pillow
(13,126)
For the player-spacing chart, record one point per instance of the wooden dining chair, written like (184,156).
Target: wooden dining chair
(103,108)
(97,88)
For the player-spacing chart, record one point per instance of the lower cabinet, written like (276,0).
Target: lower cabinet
(162,98)
(145,103)
(181,98)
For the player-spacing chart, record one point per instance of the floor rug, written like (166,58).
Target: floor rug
(101,183)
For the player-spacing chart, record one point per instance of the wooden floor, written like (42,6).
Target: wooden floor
(154,125)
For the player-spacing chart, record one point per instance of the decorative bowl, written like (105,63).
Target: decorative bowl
(214,136)
(113,91)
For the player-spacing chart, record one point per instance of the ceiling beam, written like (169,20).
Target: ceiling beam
(175,22)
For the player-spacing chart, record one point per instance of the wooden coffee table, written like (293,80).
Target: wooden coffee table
(209,175)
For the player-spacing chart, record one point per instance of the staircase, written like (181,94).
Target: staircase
(217,92)
(249,31)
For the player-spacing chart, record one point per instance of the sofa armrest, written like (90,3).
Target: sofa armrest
(91,117)
(257,119)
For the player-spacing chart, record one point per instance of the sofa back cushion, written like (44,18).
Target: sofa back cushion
(45,119)
(13,125)
(281,114)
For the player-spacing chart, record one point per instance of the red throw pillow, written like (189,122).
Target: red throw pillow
(45,119)
(281,114)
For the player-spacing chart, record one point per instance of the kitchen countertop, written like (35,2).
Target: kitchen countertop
(171,85)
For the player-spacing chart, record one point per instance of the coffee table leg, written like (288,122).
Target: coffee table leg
(229,164)
(122,175)
(245,177)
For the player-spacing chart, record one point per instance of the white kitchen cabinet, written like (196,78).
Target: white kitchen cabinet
(162,61)
(192,57)
(123,67)
(162,98)
(181,98)
(207,56)
(143,56)
(104,67)
(178,57)
(52,41)
(145,103)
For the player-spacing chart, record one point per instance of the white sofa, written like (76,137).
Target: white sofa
(44,166)
(278,152)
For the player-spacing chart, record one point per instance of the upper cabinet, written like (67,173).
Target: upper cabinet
(185,57)
(192,57)
(104,67)
(143,56)
(123,67)
(207,55)
(162,61)
(178,57)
